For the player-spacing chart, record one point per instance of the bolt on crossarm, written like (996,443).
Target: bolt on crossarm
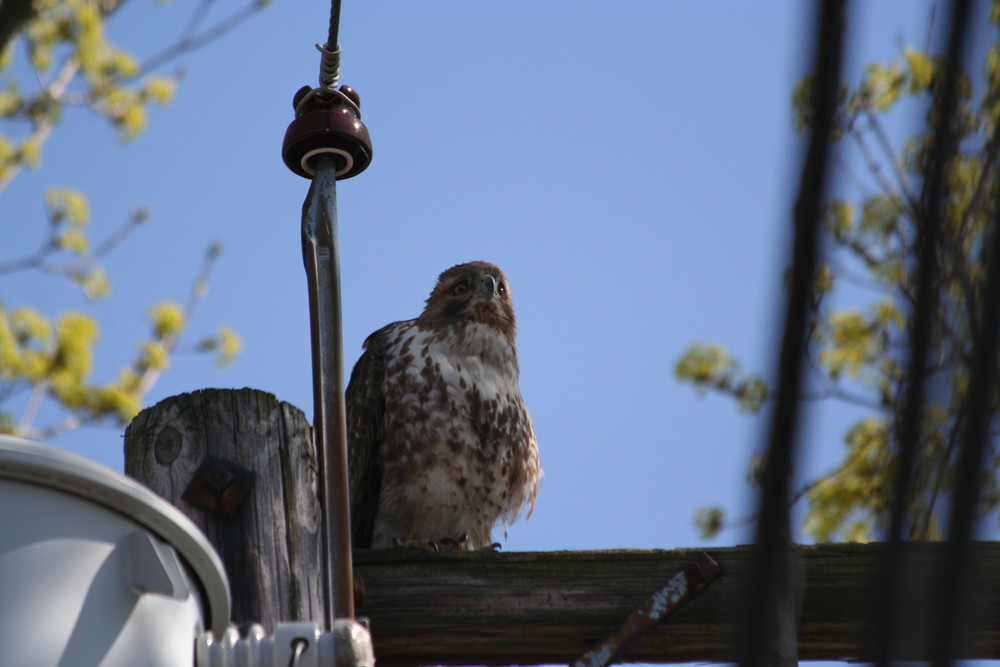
(326,142)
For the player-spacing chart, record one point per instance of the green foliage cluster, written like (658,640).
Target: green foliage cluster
(75,66)
(709,366)
(858,353)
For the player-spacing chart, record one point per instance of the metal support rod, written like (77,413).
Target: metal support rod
(322,262)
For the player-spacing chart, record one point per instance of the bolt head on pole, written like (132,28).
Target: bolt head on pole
(327,124)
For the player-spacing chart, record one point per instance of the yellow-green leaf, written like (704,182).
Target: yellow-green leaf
(921,69)
(229,346)
(167,318)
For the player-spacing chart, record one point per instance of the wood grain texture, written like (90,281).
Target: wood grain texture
(486,608)
(271,547)
(543,608)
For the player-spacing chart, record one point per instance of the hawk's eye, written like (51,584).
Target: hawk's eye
(501,288)
(460,288)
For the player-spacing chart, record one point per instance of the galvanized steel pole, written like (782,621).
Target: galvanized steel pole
(321,256)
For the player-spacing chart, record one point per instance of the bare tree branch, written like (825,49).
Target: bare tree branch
(898,167)
(38,394)
(190,42)
(44,126)
(81,264)
(69,423)
(195,295)
(875,167)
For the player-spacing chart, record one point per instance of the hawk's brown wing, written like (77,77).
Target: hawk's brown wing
(365,429)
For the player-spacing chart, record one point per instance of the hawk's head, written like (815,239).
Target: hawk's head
(476,292)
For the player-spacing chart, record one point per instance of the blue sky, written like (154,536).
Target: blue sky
(630,166)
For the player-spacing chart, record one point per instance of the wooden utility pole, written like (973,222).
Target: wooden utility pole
(243,467)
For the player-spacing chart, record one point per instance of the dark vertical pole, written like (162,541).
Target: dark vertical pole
(946,613)
(322,261)
(954,581)
(908,428)
(950,612)
(771,595)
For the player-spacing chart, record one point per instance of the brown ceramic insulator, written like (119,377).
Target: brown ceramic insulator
(324,124)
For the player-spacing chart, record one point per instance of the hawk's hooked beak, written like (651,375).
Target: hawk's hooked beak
(489,286)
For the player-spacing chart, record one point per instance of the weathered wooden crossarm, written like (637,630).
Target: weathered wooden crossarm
(504,608)
(536,608)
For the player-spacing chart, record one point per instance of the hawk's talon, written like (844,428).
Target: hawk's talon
(428,546)
(454,544)
(434,546)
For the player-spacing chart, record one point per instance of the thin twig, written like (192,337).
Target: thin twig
(197,41)
(846,396)
(89,259)
(985,178)
(69,423)
(77,266)
(38,393)
(747,519)
(150,375)
(853,176)
(56,89)
(875,167)
(843,272)
(197,18)
(890,151)
(43,128)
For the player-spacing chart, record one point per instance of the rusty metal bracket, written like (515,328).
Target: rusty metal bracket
(218,486)
(658,606)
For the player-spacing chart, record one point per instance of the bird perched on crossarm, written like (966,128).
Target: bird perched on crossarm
(441,446)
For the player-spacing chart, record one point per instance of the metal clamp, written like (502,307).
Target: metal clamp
(658,606)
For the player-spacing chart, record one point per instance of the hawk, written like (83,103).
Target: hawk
(441,446)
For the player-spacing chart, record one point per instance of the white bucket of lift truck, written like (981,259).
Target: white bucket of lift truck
(95,569)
